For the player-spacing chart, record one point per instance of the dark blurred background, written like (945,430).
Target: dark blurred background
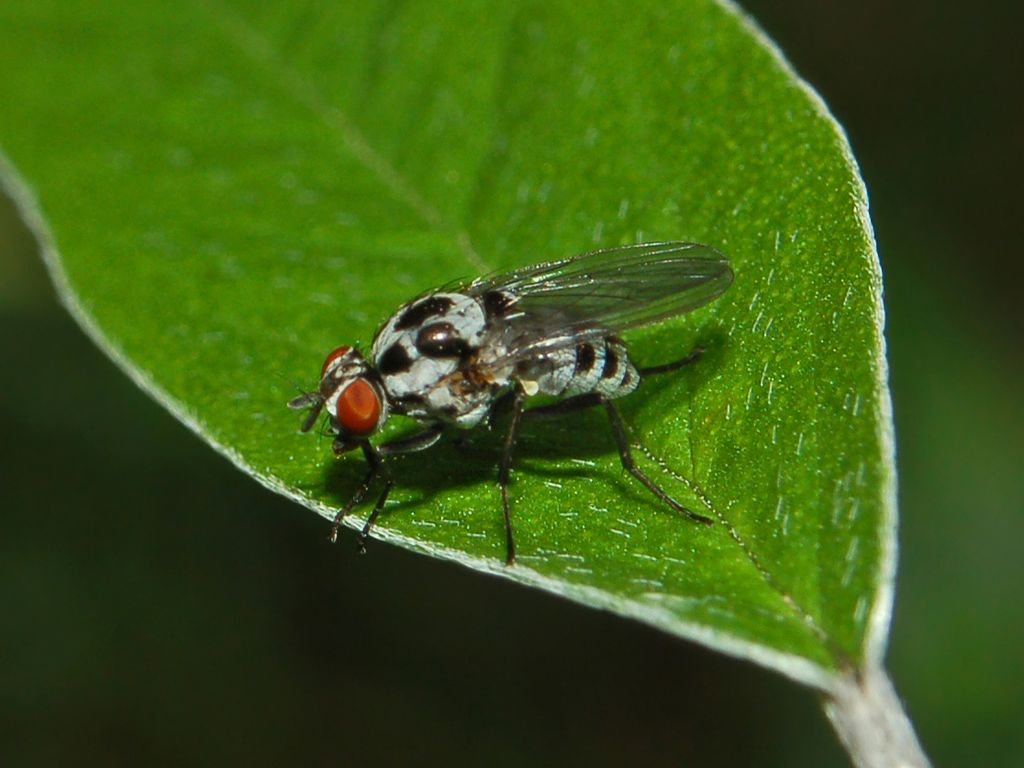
(157,607)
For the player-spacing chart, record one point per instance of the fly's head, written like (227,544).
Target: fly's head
(352,397)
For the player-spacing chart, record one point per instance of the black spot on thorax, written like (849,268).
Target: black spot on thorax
(431,306)
(395,359)
(441,340)
(408,402)
(497,304)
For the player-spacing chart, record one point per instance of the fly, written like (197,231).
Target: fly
(466,354)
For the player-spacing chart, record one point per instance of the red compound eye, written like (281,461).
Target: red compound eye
(331,358)
(358,408)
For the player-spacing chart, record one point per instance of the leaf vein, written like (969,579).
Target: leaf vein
(806,618)
(248,39)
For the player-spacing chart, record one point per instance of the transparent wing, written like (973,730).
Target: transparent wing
(618,288)
(563,302)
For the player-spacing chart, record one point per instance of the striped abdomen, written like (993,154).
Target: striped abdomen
(601,366)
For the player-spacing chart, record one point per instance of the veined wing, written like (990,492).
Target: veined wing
(616,288)
(560,304)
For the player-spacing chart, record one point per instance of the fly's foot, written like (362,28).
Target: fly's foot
(333,535)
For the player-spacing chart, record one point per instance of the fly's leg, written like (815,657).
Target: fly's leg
(500,407)
(389,483)
(562,407)
(506,468)
(418,442)
(374,460)
(654,370)
(626,455)
(590,399)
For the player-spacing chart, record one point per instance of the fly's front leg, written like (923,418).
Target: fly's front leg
(364,534)
(418,442)
(626,455)
(506,469)
(374,460)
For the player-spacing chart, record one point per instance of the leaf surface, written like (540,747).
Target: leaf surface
(231,190)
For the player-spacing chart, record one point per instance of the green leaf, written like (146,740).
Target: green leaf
(231,190)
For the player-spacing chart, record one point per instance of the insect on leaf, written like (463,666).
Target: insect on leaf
(226,194)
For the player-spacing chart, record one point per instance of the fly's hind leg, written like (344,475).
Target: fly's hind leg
(675,365)
(506,469)
(591,399)
(562,407)
(626,455)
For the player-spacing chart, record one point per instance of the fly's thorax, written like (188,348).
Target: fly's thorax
(426,356)
(442,327)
